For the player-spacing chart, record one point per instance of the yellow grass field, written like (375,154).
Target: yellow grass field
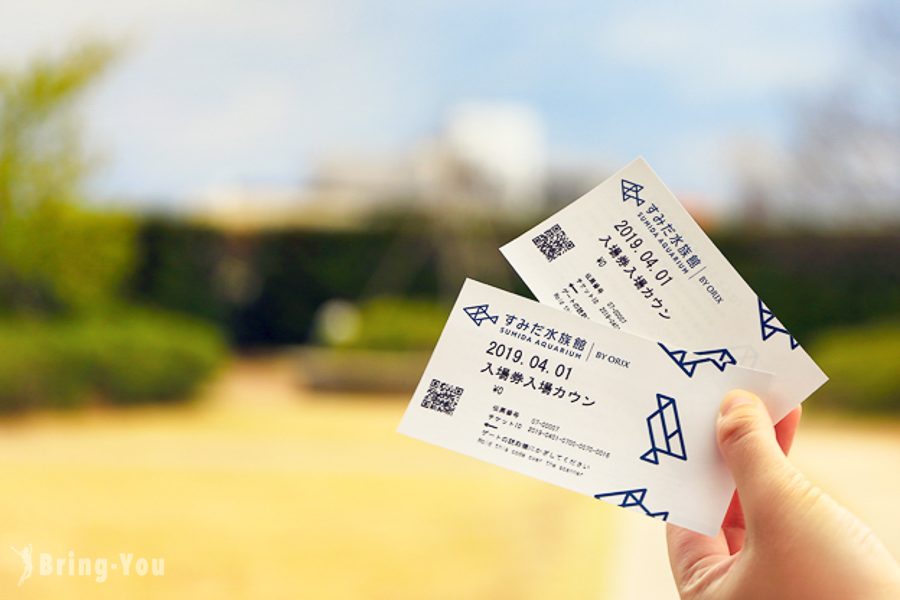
(259,491)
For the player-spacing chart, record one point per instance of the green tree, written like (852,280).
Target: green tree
(55,254)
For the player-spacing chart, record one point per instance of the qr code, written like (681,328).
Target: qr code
(442,397)
(553,243)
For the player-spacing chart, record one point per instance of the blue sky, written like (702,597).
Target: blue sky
(219,93)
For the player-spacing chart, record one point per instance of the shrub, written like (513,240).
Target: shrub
(861,363)
(388,323)
(123,358)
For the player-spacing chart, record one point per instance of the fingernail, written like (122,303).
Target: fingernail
(734,399)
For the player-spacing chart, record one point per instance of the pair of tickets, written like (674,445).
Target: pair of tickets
(610,385)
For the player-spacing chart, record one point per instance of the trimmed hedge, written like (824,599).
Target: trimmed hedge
(861,363)
(124,358)
(397,324)
(264,287)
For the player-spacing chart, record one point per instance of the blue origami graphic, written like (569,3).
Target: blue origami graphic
(631,191)
(719,358)
(664,428)
(770,325)
(632,498)
(479,313)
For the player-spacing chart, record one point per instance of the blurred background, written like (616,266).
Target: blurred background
(230,233)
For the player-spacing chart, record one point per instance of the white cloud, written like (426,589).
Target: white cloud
(714,51)
(208,90)
(214,92)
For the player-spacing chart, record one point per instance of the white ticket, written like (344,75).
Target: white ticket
(599,411)
(628,255)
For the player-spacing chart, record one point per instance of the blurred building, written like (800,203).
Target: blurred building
(486,157)
(495,153)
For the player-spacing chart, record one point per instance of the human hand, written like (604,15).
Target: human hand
(784,537)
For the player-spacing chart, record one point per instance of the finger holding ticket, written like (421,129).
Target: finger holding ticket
(586,407)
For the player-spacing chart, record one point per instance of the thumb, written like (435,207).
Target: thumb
(748,444)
